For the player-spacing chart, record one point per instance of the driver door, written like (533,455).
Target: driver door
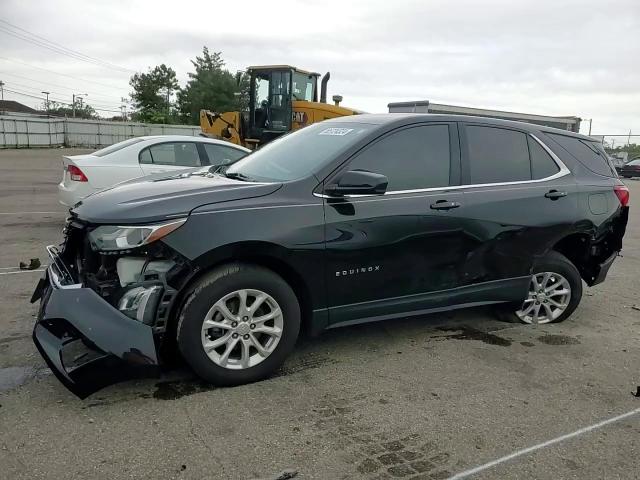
(387,253)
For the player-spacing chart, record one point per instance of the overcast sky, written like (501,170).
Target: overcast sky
(549,57)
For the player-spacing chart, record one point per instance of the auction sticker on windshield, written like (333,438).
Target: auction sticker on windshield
(340,132)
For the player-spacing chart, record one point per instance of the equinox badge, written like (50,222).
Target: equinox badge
(356,271)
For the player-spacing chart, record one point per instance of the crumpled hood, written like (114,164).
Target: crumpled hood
(163,197)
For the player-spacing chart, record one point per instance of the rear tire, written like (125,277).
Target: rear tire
(554,293)
(222,332)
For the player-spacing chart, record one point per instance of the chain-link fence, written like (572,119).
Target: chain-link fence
(621,148)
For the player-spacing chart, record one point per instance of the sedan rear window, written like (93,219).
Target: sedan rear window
(117,146)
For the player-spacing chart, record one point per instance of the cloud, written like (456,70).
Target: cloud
(548,57)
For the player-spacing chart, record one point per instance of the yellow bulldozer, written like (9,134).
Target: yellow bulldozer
(282,98)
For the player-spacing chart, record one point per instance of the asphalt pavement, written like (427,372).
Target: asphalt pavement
(423,398)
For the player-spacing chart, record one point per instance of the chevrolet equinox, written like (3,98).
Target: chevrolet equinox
(350,220)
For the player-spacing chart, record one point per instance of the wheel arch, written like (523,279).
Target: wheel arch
(264,254)
(576,247)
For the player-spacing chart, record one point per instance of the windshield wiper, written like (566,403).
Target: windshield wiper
(237,176)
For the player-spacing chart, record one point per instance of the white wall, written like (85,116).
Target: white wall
(25,131)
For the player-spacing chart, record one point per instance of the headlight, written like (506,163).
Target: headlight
(110,237)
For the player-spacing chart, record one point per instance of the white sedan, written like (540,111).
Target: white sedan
(137,157)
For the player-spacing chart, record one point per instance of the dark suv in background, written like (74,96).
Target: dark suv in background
(355,219)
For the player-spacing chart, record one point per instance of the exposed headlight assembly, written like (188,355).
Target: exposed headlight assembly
(109,238)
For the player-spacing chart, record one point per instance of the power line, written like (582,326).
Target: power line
(61,74)
(48,84)
(28,87)
(56,100)
(40,41)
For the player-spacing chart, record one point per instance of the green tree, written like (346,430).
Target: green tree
(66,110)
(152,95)
(211,87)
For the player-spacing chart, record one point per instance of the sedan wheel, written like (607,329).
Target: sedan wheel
(242,329)
(549,297)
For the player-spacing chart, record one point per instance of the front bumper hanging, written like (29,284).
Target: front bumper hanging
(87,343)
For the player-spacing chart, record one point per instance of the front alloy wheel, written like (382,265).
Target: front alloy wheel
(242,329)
(237,324)
(548,298)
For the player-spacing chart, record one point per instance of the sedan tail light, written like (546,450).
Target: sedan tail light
(76,174)
(622,192)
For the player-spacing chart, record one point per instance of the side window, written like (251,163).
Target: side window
(173,154)
(497,155)
(413,158)
(542,165)
(145,156)
(222,155)
(586,153)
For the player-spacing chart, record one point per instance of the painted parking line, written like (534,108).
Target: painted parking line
(35,213)
(21,271)
(548,443)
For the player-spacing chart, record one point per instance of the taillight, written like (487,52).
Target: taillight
(622,192)
(76,174)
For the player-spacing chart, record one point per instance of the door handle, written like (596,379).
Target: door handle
(444,205)
(555,194)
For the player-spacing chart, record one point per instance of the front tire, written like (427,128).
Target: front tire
(555,291)
(238,324)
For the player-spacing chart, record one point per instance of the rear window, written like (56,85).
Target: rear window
(588,153)
(497,155)
(117,146)
(542,165)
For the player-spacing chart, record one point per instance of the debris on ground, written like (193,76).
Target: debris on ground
(635,307)
(283,475)
(33,264)
(637,394)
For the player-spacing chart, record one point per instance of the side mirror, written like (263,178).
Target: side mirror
(358,182)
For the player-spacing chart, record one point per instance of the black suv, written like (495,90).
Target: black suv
(350,220)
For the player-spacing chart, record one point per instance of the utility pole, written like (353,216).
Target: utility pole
(47,101)
(590,120)
(629,138)
(168,108)
(73,104)
(1,90)
(123,108)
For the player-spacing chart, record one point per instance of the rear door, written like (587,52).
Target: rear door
(168,156)
(386,253)
(519,200)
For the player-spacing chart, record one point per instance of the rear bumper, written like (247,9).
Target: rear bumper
(70,194)
(604,269)
(87,343)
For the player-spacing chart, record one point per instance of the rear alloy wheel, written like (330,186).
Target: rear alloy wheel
(548,298)
(238,323)
(555,290)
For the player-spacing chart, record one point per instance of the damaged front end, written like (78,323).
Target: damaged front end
(105,302)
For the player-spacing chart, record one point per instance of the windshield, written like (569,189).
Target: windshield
(118,146)
(634,162)
(300,153)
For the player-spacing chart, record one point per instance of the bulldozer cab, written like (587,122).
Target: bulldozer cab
(273,89)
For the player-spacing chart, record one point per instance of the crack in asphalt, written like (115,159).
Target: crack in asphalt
(192,430)
(6,448)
